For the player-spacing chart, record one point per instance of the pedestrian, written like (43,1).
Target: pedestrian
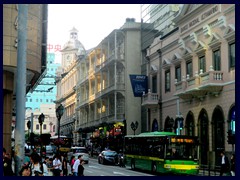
(81,168)
(57,166)
(7,164)
(37,167)
(232,160)
(72,162)
(26,157)
(224,164)
(25,171)
(64,165)
(75,166)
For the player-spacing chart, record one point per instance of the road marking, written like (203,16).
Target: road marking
(118,173)
(89,171)
(96,167)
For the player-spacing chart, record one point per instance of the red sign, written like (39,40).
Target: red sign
(53,48)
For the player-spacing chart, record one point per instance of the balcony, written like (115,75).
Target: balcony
(150,99)
(200,85)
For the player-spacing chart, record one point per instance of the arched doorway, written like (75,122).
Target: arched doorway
(154,125)
(168,126)
(218,132)
(190,124)
(203,136)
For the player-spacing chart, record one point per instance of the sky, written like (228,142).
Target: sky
(93,21)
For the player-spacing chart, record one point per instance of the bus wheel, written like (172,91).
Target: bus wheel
(154,168)
(132,165)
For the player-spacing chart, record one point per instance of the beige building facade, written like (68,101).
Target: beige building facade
(106,105)
(192,76)
(49,125)
(66,82)
(36,58)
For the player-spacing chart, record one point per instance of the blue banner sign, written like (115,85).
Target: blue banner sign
(139,84)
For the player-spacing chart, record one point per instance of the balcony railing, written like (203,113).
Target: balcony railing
(203,83)
(150,99)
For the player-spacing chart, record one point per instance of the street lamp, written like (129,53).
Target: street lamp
(179,120)
(41,120)
(59,113)
(134,126)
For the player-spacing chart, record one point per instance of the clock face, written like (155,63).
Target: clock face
(68,58)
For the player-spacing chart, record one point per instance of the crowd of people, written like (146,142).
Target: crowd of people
(58,165)
(34,165)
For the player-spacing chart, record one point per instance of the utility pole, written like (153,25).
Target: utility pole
(21,86)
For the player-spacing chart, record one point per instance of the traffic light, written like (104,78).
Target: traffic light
(231,137)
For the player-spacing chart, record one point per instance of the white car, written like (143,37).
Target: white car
(76,151)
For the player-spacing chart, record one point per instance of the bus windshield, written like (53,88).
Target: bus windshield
(181,151)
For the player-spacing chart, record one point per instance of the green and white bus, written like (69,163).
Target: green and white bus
(153,151)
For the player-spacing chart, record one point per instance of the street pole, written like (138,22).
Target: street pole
(31,128)
(59,134)
(41,139)
(21,86)
(59,113)
(178,113)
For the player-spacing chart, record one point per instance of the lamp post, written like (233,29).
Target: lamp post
(134,126)
(59,113)
(179,120)
(41,120)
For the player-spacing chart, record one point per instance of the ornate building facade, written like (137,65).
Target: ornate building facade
(192,77)
(66,80)
(105,104)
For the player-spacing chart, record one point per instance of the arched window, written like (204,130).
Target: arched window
(155,125)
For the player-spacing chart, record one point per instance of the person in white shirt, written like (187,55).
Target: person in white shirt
(57,166)
(75,166)
(37,168)
(224,164)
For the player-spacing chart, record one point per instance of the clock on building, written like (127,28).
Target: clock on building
(68,58)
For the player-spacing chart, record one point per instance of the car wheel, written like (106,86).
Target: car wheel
(102,161)
(99,162)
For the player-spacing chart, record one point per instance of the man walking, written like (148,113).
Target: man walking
(224,164)
(75,166)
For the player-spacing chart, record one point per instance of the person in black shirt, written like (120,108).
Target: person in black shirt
(7,164)
(232,165)
(224,164)
(81,168)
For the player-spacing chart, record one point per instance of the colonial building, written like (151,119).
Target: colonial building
(106,105)
(192,78)
(35,59)
(50,121)
(66,82)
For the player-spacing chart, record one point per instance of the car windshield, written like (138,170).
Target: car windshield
(110,153)
(80,151)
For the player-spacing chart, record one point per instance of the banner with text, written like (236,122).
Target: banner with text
(139,84)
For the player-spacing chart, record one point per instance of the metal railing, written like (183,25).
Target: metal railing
(209,170)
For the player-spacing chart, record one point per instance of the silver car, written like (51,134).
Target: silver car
(76,151)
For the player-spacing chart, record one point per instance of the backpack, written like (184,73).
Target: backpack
(37,173)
